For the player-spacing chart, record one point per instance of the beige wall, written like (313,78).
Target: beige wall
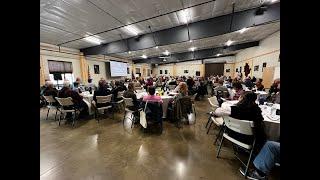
(268,51)
(52,52)
(177,69)
(228,66)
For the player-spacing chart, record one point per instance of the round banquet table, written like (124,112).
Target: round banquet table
(165,98)
(271,122)
(88,98)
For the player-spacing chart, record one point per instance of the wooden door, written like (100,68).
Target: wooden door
(267,76)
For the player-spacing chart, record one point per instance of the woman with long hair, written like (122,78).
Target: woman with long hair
(246,109)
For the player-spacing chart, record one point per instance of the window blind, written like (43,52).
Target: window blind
(59,67)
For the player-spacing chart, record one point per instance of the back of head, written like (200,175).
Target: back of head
(102,84)
(50,84)
(237,85)
(183,88)
(220,82)
(247,99)
(66,84)
(151,90)
(90,80)
(117,83)
(131,86)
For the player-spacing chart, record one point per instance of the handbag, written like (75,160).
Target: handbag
(143,120)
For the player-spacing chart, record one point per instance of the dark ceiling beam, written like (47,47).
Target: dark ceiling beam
(197,55)
(147,19)
(197,30)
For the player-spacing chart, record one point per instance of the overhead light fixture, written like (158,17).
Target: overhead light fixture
(132,30)
(156,47)
(273,1)
(166,52)
(218,55)
(192,48)
(190,40)
(229,42)
(243,30)
(93,40)
(144,56)
(164,60)
(183,16)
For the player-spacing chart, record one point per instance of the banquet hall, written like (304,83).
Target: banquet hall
(162,89)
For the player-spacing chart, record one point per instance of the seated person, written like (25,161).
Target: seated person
(201,91)
(254,79)
(173,82)
(44,87)
(246,109)
(136,83)
(78,86)
(248,83)
(90,85)
(149,82)
(101,91)
(265,161)
(151,97)
(50,90)
(141,81)
(274,87)
(238,91)
(130,94)
(229,83)
(177,89)
(183,90)
(122,86)
(117,88)
(222,88)
(259,85)
(76,98)
(275,98)
(159,82)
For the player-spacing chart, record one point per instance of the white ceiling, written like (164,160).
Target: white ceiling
(66,20)
(252,34)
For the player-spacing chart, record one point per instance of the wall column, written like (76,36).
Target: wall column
(174,69)
(84,69)
(42,74)
(202,70)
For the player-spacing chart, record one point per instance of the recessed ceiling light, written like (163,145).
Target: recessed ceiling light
(190,40)
(273,1)
(156,47)
(129,52)
(243,30)
(229,42)
(192,48)
(218,54)
(131,29)
(183,16)
(93,40)
(166,52)
(164,60)
(144,56)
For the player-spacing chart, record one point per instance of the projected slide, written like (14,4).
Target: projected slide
(118,68)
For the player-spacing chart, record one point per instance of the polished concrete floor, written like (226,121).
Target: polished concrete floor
(107,150)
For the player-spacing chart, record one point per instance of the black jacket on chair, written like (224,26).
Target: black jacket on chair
(101,92)
(251,114)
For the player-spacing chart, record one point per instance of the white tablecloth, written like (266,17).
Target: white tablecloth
(272,123)
(165,98)
(88,98)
